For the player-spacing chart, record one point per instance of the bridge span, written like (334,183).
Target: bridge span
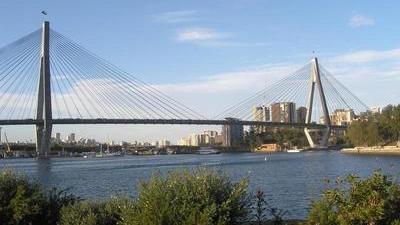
(47,79)
(168,122)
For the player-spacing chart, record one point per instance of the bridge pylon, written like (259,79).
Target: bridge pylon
(44,111)
(315,81)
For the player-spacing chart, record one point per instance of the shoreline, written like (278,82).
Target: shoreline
(378,150)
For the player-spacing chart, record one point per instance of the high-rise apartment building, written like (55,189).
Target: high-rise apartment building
(232,134)
(71,138)
(58,137)
(283,112)
(301,114)
(261,113)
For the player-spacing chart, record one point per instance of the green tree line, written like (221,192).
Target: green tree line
(376,129)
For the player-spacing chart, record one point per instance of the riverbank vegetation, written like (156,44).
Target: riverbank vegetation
(285,137)
(196,197)
(376,129)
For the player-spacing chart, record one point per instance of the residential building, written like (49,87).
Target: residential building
(218,139)
(301,114)
(232,134)
(71,138)
(185,141)
(283,112)
(164,143)
(261,113)
(58,137)
(206,138)
(375,110)
(210,136)
(211,133)
(342,117)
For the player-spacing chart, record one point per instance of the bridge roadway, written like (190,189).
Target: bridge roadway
(166,121)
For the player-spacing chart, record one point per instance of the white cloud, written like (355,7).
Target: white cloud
(369,56)
(200,34)
(212,38)
(251,79)
(177,16)
(361,21)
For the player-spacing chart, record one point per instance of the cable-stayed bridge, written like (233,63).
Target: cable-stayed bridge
(47,79)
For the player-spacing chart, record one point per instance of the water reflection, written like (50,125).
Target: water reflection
(43,174)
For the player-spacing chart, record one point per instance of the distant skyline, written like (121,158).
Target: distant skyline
(210,54)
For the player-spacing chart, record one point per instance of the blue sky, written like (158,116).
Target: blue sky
(211,53)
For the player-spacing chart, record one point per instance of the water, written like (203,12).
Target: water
(290,180)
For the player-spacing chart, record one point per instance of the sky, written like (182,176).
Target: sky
(210,54)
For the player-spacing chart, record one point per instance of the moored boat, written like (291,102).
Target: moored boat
(207,151)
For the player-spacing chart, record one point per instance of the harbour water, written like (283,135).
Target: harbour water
(290,180)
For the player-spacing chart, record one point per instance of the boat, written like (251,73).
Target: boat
(108,154)
(207,151)
(293,150)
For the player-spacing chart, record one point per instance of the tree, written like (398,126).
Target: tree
(199,197)
(372,201)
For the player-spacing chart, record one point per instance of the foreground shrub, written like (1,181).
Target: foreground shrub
(20,201)
(24,202)
(199,197)
(55,201)
(375,200)
(95,212)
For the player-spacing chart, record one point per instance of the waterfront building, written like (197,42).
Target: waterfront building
(375,110)
(232,134)
(261,113)
(210,137)
(58,138)
(71,138)
(183,141)
(301,114)
(342,117)
(164,143)
(87,142)
(283,112)
(206,138)
(269,148)
(211,133)
(218,139)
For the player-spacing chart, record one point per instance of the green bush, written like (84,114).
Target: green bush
(21,201)
(375,200)
(24,202)
(199,197)
(95,212)
(55,201)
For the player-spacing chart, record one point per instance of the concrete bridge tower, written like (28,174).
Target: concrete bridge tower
(44,112)
(315,80)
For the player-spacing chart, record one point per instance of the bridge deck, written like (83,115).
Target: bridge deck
(166,121)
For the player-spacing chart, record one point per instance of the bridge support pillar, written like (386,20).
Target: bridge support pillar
(326,132)
(44,113)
